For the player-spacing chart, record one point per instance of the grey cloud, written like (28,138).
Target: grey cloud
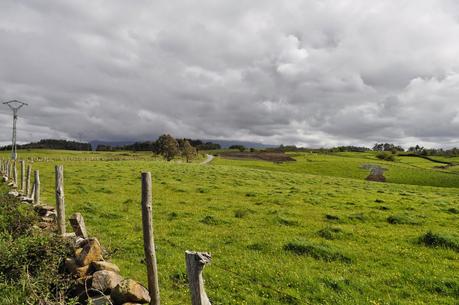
(304,72)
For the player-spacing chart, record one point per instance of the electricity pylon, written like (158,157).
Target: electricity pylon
(14,106)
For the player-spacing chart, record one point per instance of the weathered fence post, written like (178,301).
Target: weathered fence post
(60,204)
(15,174)
(23,176)
(29,173)
(78,225)
(36,187)
(195,262)
(148,239)
(8,169)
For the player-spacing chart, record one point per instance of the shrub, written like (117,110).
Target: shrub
(31,263)
(385,156)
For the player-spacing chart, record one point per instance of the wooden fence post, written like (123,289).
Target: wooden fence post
(23,176)
(60,204)
(36,187)
(8,169)
(29,173)
(195,262)
(15,174)
(148,239)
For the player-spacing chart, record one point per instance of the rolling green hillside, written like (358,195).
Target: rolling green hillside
(292,233)
(405,170)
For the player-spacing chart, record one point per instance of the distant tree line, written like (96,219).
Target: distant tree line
(153,146)
(53,144)
(419,150)
(167,146)
(293,148)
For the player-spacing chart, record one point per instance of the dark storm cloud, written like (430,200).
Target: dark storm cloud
(298,72)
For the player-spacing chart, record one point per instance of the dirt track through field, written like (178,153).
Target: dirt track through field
(208,160)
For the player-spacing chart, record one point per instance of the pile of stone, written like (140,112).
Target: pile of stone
(98,281)
(47,216)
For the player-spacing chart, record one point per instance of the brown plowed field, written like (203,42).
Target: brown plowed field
(265,156)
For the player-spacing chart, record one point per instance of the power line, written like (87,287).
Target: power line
(14,105)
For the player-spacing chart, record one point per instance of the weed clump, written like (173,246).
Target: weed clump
(242,213)
(401,220)
(435,240)
(453,211)
(331,217)
(331,233)
(210,220)
(358,217)
(287,222)
(258,247)
(319,252)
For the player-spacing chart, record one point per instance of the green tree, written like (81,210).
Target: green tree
(167,146)
(187,150)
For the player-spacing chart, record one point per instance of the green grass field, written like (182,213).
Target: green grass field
(306,232)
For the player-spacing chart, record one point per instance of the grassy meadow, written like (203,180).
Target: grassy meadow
(306,232)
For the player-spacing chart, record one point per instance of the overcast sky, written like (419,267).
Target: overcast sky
(306,72)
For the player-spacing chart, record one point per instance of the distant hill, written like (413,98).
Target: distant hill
(95,143)
(52,144)
(248,144)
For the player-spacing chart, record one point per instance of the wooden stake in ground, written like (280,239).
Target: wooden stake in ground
(15,174)
(60,205)
(29,173)
(36,187)
(148,239)
(195,262)
(22,162)
(8,169)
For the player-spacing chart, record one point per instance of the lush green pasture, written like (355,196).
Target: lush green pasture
(405,170)
(278,234)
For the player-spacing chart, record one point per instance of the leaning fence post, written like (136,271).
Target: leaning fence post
(195,262)
(60,205)
(29,173)
(148,239)
(36,186)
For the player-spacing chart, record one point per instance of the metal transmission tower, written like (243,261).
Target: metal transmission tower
(14,106)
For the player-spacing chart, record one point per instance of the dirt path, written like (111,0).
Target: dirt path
(208,160)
